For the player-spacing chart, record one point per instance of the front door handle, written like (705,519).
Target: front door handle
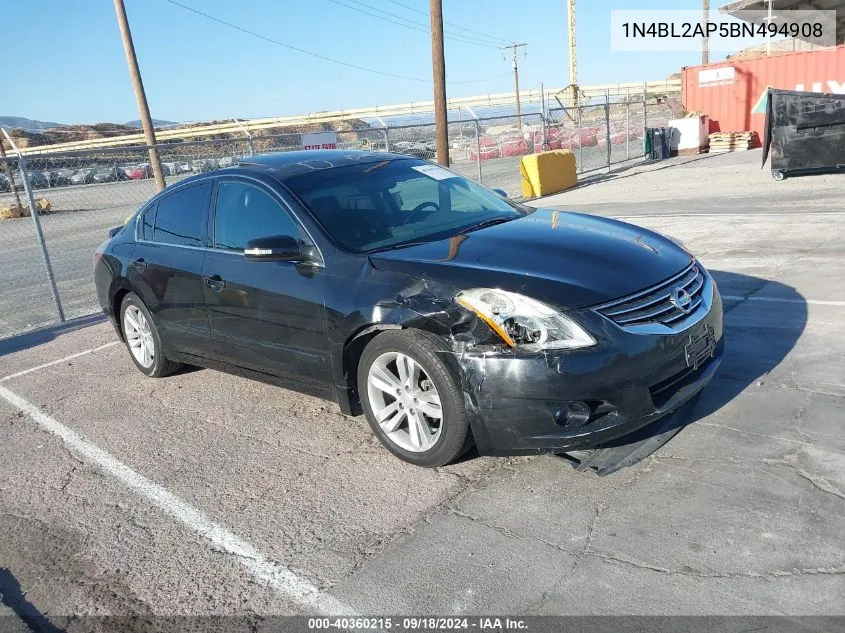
(216,283)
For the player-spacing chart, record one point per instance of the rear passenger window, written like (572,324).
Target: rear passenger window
(181,216)
(147,220)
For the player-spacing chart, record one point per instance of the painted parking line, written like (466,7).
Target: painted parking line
(58,362)
(288,584)
(815,302)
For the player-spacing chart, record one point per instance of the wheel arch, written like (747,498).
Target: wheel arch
(118,291)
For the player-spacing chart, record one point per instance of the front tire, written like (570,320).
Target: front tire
(412,399)
(142,338)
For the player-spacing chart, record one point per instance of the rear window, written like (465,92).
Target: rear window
(181,216)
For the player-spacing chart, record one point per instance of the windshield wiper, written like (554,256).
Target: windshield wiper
(485,224)
(394,247)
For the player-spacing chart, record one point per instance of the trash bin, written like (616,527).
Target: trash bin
(658,142)
(805,132)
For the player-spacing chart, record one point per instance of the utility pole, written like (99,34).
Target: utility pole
(769,39)
(513,48)
(140,95)
(705,41)
(573,66)
(438,66)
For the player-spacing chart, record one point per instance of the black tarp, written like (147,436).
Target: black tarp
(805,131)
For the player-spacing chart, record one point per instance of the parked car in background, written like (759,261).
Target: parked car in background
(83,176)
(417,149)
(110,174)
(139,172)
(60,177)
(203,165)
(447,314)
(38,179)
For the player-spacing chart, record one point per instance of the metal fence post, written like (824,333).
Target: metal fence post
(580,144)
(478,148)
(477,140)
(607,126)
(248,137)
(627,124)
(645,116)
(33,213)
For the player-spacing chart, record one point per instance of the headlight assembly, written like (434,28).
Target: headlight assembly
(524,323)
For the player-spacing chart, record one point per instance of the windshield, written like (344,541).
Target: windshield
(376,206)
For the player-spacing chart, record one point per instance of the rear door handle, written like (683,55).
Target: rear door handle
(216,283)
(140,263)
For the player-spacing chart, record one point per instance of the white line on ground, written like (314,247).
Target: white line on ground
(818,302)
(284,581)
(58,362)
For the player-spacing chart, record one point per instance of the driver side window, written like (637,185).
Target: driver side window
(245,212)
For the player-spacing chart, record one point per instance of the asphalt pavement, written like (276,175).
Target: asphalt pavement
(205,493)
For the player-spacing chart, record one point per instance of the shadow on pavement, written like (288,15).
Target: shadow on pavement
(12,597)
(44,335)
(751,351)
(620,172)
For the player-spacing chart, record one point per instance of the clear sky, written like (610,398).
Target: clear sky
(66,62)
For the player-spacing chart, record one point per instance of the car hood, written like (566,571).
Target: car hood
(571,260)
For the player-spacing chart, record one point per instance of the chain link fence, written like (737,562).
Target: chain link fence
(46,255)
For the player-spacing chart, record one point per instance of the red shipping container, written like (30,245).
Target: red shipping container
(733,93)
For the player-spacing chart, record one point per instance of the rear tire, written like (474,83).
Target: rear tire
(142,339)
(412,399)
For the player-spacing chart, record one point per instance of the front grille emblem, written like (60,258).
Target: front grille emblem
(681,299)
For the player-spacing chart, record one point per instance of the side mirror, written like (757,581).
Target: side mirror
(282,248)
(501,193)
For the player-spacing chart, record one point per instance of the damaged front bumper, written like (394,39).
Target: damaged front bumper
(521,404)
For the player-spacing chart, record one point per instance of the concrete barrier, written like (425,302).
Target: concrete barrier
(547,173)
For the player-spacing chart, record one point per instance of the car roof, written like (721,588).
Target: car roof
(284,165)
(280,166)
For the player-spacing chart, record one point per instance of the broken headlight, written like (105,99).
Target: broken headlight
(522,322)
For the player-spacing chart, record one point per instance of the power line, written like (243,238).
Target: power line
(486,36)
(311,53)
(413,25)
(291,47)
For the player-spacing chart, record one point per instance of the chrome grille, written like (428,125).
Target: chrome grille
(656,305)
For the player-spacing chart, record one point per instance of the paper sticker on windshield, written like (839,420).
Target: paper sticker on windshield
(434,171)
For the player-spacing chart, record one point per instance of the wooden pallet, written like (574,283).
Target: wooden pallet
(733,141)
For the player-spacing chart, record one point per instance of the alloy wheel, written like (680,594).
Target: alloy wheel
(139,336)
(405,402)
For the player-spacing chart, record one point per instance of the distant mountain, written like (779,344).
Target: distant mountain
(156,123)
(26,124)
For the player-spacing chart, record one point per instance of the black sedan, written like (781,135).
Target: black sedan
(399,289)
(110,174)
(83,177)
